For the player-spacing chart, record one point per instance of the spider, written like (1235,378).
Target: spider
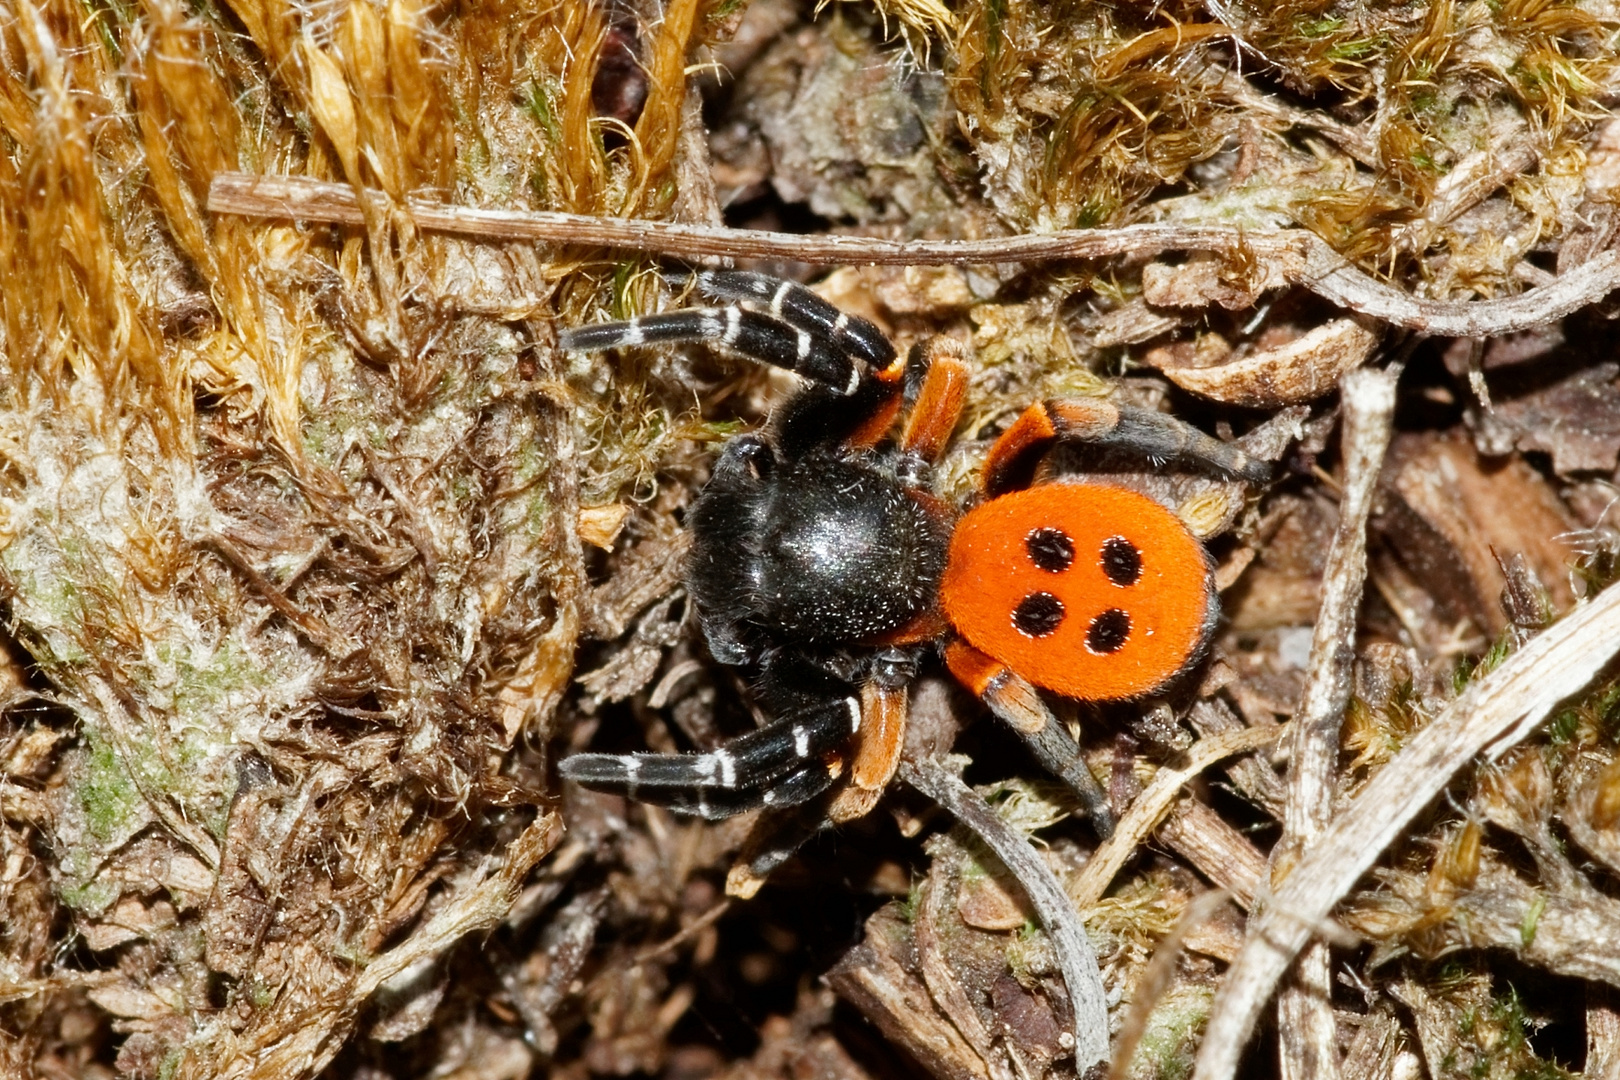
(824,562)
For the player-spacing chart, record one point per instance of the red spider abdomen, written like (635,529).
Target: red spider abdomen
(1097,593)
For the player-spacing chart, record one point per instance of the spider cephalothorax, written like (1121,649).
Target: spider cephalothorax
(823,560)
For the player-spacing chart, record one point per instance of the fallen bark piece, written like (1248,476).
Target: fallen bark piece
(874,977)
(1448,515)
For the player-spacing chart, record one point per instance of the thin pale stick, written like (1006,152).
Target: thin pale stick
(1301,257)
(1149,808)
(1307,1032)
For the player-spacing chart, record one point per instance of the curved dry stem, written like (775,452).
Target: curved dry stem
(1057,913)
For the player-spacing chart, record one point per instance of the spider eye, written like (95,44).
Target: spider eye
(1050,549)
(1121,561)
(1109,631)
(1038,615)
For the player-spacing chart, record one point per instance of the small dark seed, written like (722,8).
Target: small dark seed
(1050,549)
(1038,614)
(1121,561)
(1109,632)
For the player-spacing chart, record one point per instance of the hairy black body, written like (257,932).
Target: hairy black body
(830,549)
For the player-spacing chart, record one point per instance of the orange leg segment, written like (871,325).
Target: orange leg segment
(1010,464)
(1018,704)
(883,734)
(876,426)
(939,403)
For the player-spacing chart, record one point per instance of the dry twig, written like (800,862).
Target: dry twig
(1301,257)
(1045,894)
(1151,806)
(1305,1009)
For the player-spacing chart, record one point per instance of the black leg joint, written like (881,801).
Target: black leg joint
(913,470)
(893,668)
(917,365)
(745,459)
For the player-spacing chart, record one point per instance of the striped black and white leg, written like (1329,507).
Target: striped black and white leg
(798,786)
(781,764)
(798,306)
(771,843)
(753,334)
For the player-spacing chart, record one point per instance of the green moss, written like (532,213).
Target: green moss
(529,464)
(1532,919)
(1317,26)
(89,896)
(995,14)
(1167,1046)
(623,305)
(324,432)
(1564,727)
(537,516)
(106,17)
(1467,672)
(725,8)
(907,908)
(202,683)
(1024,952)
(106,793)
(720,430)
(540,102)
(47,574)
(1354,50)
(1092,215)
(1508,1012)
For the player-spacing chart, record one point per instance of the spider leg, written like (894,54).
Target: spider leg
(937,378)
(753,334)
(871,766)
(818,417)
(799,307)
(797,787)
(774,840)
(770,843)
(729,512)
(1015,701)
(780,764)
(883,735)
(776,765)
(1010,464)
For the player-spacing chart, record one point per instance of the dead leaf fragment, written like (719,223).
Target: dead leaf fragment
(126,999)
(1575,420)
(333,106)
(1292,374)
(599,525)
(1209,279)
(985,905)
